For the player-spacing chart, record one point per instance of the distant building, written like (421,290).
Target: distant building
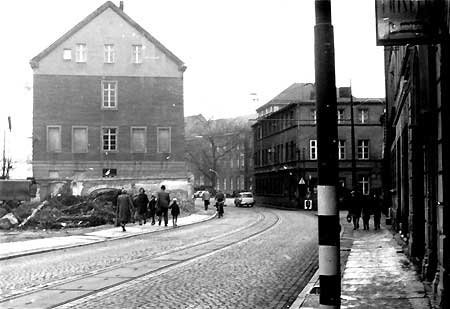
(219,153)
(108,103)
(285,145)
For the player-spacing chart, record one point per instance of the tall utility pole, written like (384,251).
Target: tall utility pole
(328,216)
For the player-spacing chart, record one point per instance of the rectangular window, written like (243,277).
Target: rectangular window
(313,149)
(81,53)
(54,138)
(163,140)
(67,54)
(363,115)
(341,149)
(137,53)
(363,149)
(109,55)
(139,139)
(313,116)
(364,185)
(109,139)
(109,94)
(340,116)
(79,139)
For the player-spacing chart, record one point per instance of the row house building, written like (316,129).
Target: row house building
(219,154)
(285,145)
(108,104)
(417,73)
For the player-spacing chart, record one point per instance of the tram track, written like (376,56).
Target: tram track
(80,287)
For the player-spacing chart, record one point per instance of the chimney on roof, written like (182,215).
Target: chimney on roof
(121,5)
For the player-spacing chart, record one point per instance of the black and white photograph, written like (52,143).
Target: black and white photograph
(225,154)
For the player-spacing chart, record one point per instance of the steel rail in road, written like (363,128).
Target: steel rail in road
(81,287)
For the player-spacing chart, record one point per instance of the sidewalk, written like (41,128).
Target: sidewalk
(21,248)
(375,272)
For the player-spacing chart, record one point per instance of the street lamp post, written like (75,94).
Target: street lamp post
(352,133)
(215,177)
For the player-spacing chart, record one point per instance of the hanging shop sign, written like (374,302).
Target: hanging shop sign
(400,22)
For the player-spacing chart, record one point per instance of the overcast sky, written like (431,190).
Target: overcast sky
(232,48)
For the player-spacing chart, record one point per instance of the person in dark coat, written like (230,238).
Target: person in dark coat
(376,211)
(220,201)
(366,207)
(175,211)
(141,206)
(163,205)
(152,209)
(125,209)
(354,209)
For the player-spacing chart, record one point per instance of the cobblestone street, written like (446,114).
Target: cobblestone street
(266,270)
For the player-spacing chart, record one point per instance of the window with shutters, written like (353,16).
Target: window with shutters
(79,139)
(163,140)
(54,138)
(138,139)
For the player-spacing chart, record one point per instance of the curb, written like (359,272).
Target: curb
(311,285)
(37,251)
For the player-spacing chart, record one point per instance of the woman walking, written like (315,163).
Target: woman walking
(125,209)
(141,206)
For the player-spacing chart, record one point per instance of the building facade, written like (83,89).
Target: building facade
(418,154)
(285,146)
(108,102)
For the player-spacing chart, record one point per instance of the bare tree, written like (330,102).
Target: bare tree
(210,142)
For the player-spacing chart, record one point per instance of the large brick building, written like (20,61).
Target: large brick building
(108,102)
(285,145)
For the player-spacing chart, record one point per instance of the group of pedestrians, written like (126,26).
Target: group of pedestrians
(142,208)
(363,206)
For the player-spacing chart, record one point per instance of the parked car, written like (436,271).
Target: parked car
(244,199)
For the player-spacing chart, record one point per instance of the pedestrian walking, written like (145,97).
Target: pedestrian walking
(354,206)
(141,203)
(206,197)
(366,207)
(220,201)
(125,209)
(152,209)
(163,200)
(376,211)
(175,211)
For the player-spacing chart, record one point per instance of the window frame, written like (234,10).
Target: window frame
(81,53)
(313,115)
(341,149)
(361,153)
(87,139)
(313,149)
(137,53)
(158,137)
(102,141)
(340,112)
(109,54)
(116,89)
(132,149)
(67,51)
(364,183)
(363,115)
(59,127)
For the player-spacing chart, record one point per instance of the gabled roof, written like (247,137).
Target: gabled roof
(35,61)
(294,93)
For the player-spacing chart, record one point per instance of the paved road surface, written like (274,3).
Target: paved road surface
(251,258)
